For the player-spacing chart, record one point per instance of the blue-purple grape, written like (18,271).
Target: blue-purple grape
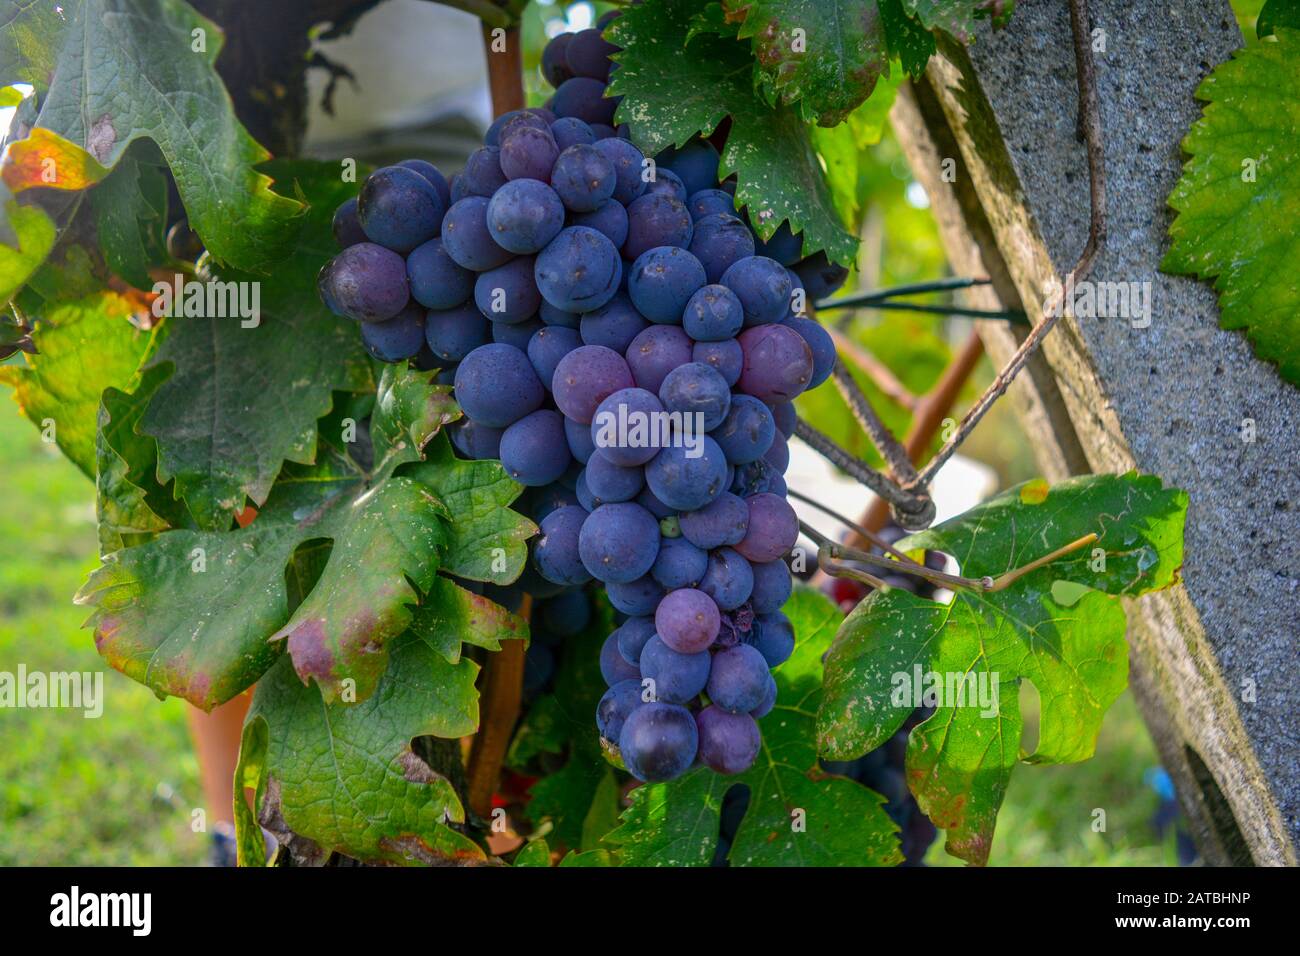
(637,598)
(738,679)
(778,363)
(547,346)
(762,286)
(586,377)
(579,270)
(656,219)
(662,281)
(722,522)
(678,678)
(726,357)
(453,333)
(366,282)
(399,209)
(437,281)
(697,390)
(659,741)
(615,707)
(533,449)
(627,160)
(687,620)
(719,241)
(396,339)
(680,564)
(728,743)
(524,215)
(614,325)
(729,579)
(467,238)
(555,552)
(619,542)
(496,385)
(773,585)
(713,314)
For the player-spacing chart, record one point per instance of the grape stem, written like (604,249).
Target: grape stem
(830,566)
(1089,128)
(913,508)
(1014,316)
(1002,582)
(888,446)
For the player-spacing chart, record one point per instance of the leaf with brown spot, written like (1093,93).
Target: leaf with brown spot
(110,72)
(344,776)
(824,56)
(199,614)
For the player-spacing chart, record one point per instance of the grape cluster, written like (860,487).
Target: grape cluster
(622,340)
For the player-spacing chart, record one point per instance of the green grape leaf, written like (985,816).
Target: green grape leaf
(896,652)
(27,235)
(111,72)
(344,775)
(450,616)
(908,39)
(798,815)
(1277,13)
(958,16)
(824,56)
(201,614)
(599,858)
(130,209)
(130,505)
(1239,197)
(673,90)
(83,346)
(488,541)
(534,853)
(563,722)
(260,388)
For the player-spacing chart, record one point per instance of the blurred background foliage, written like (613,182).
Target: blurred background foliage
(120,789)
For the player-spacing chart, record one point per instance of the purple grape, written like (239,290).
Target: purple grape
(553,316)
(496,385)
(547,346)
(778,454)
(687,620)
(784,246)
(678,678)
(785,417)
(713,314)
(555,64)
(436,280)
(726,357)
(482,174)
(638,598)
(773,529)
(550,498)
(747,432)
(584,98)
(399,209)
(528,153)
(555,553)
(533,449)
(769,700)
(655,352)
(707,202)
(659,741)
(720,241)
(509,292)
(697,390)
(667,182)
(729,579)
(366,282)
(519,334)
(763,287)
(696,164)
(609,219)
(613,427)
(619,542)
(778,363)
(524,215)
(434,175)
(820,277)
(453,333)
(728,742)
(467,238)
(346,227)
(773,637)
(615,707)
(583,178)
(684,482)
(579,270)
(396,339)
(680,564)
(612,666)
(578,436)
(571,131)
(609,482)
(614,325)
(820,345)
(586,377)
(633,635)
(662,281)
(650,503)
(627,160)
(654,220)
(721,522)
(773,585)
(475,440)
(588,55)
(738,679)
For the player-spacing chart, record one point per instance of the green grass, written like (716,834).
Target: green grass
(117,790)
